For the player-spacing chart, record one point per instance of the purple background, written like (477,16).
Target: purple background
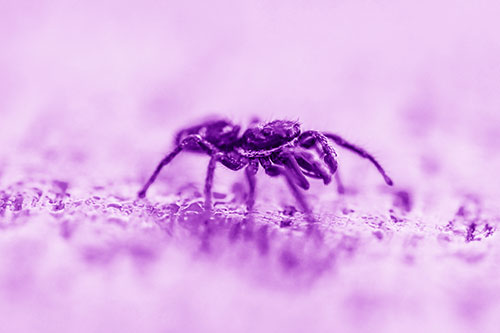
(91,93)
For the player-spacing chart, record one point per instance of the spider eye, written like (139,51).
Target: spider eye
(267,131)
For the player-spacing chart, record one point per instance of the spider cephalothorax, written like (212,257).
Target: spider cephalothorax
(270,135)
(278,146)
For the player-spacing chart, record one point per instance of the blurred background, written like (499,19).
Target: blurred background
(101,86)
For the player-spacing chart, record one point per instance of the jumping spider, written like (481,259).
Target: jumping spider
(278,146)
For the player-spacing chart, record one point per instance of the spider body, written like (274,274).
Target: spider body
(220,133)
(279,146)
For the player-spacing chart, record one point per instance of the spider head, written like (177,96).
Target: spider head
(271,135)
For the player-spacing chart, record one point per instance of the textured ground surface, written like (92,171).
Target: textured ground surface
(91,258)
(91,94)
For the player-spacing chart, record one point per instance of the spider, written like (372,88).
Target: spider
(279,146)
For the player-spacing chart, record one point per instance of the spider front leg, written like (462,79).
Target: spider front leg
(311,166)
(310,138)
(275,171)
(287,159)
(340,185)
(205,145)
(250,172)
(361,152)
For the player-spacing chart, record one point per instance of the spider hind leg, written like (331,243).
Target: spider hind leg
(209,180)
(163,162)
(186,142)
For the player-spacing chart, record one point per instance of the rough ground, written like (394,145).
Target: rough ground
(94,258)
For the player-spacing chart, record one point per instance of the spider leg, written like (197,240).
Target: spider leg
(205,145)
(209,180)
(310,165)
(315,170)
(340,185)
(361,152)
(287,159)
(274,171)
(250,172)
(309,138)
(233,162)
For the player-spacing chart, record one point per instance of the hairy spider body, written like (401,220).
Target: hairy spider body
(279,146)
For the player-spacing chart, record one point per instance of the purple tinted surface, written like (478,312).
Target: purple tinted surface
(92,95)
